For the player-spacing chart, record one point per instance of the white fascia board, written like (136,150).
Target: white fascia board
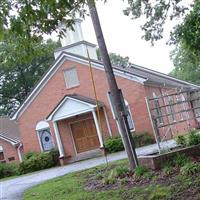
(72,115)
(53,70)
(63,101)
(7,140)
(83,102)
(165,76)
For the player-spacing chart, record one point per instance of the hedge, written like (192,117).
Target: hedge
(115,144)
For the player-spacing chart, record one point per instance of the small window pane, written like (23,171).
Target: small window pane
(71,77)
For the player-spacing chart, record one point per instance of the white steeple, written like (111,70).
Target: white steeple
(73,42)
(72,36)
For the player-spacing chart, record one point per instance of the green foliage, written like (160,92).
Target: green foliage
(38,161)
(30,154)
(168,169)
(181,140)
(193,138)
(116,59)
(187,32)
(156,14)
(186,64)
(114,174)
(54,153)
(180,160)
(141,171)
(23,62)
(158,193)
(114,144)
(142,139)
(190,168)
(47,14)
(7,170)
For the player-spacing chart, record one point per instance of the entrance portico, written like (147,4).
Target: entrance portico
(79,114)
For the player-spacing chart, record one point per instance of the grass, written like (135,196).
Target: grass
(72,187)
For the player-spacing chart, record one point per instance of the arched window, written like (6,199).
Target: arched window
(129,116)
(44,136)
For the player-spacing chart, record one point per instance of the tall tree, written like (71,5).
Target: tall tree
(21,66)
(186,56)
(116,59)
(187,65)
(38,16)
(156,13)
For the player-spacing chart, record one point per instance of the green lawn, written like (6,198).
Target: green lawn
(71,187)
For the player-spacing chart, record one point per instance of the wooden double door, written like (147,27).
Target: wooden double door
(85,135)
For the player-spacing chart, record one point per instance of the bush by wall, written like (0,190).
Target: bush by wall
(7,170)
(193,138)
(38,161)
(115,144)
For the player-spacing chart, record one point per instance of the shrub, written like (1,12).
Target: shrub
(7,170)
(181,140)
(180,160)
(142,139)
(114,145)
(168,169)
(141,171)
(193,138)
(55,156)
(38,161)
(118,172)
(190,168)
(29,155)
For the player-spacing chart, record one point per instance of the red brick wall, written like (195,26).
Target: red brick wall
(179,128)
(54,91)
(9,151)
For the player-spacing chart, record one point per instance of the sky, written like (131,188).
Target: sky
(123,36)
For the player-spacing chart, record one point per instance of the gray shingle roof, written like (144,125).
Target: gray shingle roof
(157,78)
(9,130)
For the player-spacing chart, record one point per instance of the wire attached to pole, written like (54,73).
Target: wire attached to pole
(97,102)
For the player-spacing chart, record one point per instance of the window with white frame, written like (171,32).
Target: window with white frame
(129,116)
(71,77)
(44,136)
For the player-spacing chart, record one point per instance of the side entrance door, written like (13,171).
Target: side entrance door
(85,135)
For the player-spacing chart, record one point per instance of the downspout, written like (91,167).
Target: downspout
(19,152)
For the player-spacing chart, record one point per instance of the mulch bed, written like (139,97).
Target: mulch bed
(178,190)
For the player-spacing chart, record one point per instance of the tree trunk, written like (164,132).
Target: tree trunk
(114,90)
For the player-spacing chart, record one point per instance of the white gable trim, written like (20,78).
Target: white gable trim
(14,143)
(54,69)
(90,107)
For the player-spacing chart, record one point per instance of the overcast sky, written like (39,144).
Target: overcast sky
(123,36)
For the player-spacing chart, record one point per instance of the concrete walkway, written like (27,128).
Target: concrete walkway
(13,189)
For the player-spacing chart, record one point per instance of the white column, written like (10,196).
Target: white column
(58,139)
(98,129)
(107,122)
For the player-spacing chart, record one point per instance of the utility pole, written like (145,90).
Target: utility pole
(117,97)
